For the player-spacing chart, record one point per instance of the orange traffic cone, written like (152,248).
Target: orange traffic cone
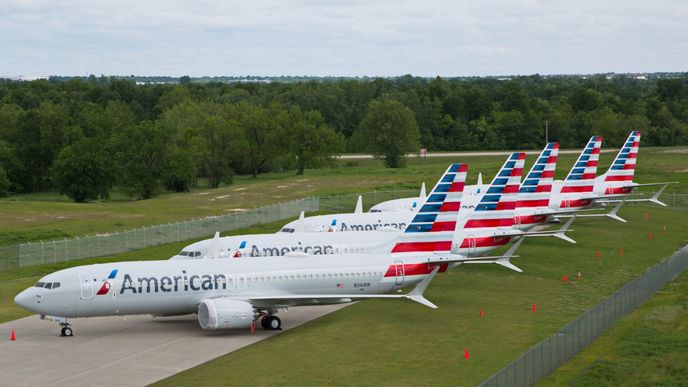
(13,337)
(482,314)
(465,354)
(564,278)
(534,308)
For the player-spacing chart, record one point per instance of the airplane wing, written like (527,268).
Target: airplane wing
(279,301)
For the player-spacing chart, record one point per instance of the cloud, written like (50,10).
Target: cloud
(309,37)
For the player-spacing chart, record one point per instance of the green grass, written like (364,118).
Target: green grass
(48,215)
(647,347)
(396,342)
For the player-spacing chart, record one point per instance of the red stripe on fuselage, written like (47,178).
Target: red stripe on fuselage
(618,190)
(532,203)
(547,174)
(415,269)
(530,219)
(475,223)
(570,189)
(575,203)
(410,247)
(619,178)
(485,242)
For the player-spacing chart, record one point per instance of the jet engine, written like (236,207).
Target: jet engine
(220,313)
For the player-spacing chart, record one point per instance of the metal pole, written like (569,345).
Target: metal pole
(546,131)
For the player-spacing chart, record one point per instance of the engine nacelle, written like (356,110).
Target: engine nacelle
(220,313)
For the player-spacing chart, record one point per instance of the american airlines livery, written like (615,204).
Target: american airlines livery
(477,235)
(236,293)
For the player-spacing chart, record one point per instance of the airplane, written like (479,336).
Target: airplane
(236,293)
(477,237)
(403,204)
(581,189)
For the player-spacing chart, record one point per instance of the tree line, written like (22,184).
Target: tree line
(86,136)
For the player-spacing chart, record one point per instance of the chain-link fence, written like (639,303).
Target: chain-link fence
(33,253)
(545,357)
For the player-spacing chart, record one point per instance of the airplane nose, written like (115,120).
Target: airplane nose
(23,299)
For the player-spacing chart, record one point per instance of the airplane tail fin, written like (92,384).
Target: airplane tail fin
(496,205)
(619,177)
(536,188)
(581,178)
(433,226)
(359,205)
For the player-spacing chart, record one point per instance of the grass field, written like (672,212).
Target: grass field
(48,215)
(383,342)
(647,347)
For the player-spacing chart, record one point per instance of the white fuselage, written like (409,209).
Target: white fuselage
(177,287)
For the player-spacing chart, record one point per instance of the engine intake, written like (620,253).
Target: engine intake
(219,313)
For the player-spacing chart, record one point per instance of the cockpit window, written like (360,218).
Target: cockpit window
(197,254)
(39,284)
(49,285)
(56,285)
(287,229)
(184,253)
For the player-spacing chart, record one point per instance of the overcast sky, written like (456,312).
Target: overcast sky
(341,38)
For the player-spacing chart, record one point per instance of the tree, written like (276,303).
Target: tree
(220,142)
(82,171)
(142,152)
(4,182)
(390,131)
(310,140)
(261,128)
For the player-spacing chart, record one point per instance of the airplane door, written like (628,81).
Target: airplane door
(400,272)
(86,286)
(471,244)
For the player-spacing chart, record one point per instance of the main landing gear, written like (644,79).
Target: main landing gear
(270,322)
(66,330)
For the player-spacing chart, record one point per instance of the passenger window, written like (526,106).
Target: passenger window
(56,285)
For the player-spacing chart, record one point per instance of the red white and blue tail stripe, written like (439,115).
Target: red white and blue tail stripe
(536,189)
(581,178)
(496,207)
(619,177)
(432,228)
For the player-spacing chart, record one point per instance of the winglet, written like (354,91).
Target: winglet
(422,191)
(299,224)
(561,233)
(417,293)
(359,205)
(214,247)
(613,213)
(655,197)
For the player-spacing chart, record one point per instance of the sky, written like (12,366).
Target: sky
(341,38)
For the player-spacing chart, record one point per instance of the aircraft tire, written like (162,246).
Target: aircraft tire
(274,323)
(264,322)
